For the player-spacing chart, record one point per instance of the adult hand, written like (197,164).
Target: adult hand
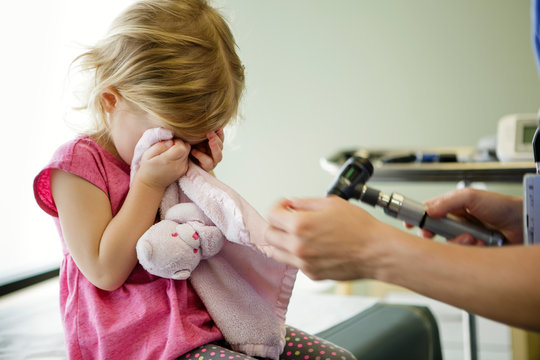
(503,213)
(327,238)
(209,153)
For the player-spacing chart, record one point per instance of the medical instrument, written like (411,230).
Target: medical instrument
(531,192)
(536,145)
(350,183)
(514,136)
(419,157)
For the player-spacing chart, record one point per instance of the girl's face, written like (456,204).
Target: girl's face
(127,125)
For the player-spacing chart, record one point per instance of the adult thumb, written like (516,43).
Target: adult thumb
(314,204)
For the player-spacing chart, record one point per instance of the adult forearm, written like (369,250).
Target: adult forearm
(497,283)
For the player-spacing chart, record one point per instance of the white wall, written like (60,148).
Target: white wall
(39,40)
(327,75)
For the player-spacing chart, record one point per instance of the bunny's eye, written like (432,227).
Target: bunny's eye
(174,234)
(196,236)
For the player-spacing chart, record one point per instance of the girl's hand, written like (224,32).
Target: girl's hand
(163,163)
(209,153)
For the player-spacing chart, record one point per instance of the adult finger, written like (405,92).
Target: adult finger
(290,215)
(452,202)
(316,204)
(280,239)
(426,234)
(280,215)
(285,257)
(463,239)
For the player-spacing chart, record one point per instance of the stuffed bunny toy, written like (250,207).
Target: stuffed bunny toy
(173,247)
(208,233)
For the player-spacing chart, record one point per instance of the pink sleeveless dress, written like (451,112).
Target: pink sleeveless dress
(148,317)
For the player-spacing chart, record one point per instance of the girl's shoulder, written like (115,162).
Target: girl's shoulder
(83,148)
(84,157)
(84,152)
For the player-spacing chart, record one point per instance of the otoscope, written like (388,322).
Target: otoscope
(351,181)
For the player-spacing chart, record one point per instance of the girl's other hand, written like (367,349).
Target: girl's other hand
(209,153)
(163,163)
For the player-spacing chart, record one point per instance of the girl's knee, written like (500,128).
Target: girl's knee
(300,345)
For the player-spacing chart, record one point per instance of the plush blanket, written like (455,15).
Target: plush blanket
(245,291)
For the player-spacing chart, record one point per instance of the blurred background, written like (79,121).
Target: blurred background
(322,76)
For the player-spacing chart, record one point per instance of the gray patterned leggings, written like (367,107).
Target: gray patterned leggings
(298,346)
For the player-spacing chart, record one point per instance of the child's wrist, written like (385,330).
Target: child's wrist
(152,187)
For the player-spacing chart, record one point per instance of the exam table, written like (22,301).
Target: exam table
(388,331)
(30,324)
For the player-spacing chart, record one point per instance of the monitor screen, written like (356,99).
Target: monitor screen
(528,134)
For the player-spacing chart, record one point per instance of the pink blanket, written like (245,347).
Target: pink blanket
(243,289)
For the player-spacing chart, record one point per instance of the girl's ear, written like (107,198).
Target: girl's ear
(109,99)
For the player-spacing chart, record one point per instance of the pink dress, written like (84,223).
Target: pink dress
(148,317)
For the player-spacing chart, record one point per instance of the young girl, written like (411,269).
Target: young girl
(164,63)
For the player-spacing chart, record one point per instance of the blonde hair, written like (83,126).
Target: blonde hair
(175,59)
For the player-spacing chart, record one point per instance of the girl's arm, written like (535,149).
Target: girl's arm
(103,246)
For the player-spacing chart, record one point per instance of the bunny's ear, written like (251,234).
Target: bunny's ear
(211,239)
(236,219)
